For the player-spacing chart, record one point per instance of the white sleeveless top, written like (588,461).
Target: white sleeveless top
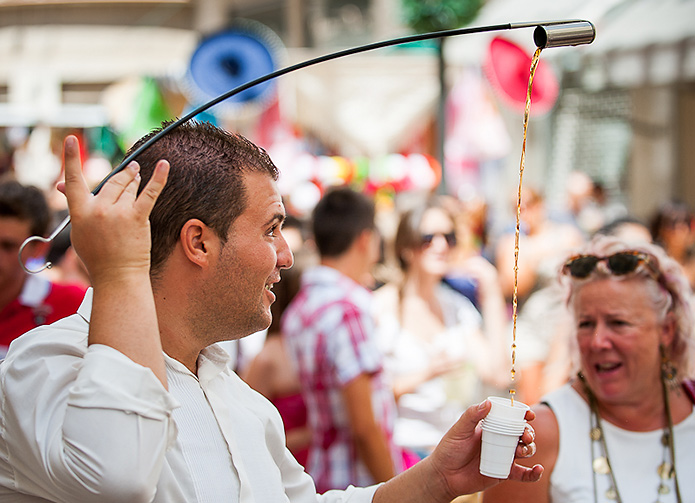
(634,457)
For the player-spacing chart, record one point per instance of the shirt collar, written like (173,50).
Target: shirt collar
(212,361)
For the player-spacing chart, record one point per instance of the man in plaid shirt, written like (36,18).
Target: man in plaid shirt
(329,329)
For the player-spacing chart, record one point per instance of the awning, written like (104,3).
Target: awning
(367,104)
(638,42)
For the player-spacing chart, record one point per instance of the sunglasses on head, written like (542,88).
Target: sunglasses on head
(450,237)
(621,263)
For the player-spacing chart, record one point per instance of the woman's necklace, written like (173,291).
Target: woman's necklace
(601,464)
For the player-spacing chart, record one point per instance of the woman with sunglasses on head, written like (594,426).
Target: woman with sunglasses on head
(624,429)
(432,336)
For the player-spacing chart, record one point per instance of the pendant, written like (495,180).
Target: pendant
(612,494)
(595,434)
(665,471)
(601,466)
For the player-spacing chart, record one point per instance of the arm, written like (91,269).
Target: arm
(111,234)
(96,423)
(495,320)
(369,437)
(452,469)
(439,364)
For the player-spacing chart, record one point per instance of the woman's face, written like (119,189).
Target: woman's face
(618,333)
(436,230)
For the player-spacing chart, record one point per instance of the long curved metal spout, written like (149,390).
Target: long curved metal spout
(551,34)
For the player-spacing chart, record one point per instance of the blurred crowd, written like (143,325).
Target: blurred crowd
(395,317)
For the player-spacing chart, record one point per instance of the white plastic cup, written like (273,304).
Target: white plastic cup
(502,428)
(511,430)
(497,453)
(503,410)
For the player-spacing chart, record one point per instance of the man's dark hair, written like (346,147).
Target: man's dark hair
(206,181)
(27,203)
(339,218)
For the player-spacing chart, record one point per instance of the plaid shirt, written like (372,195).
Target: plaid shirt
(329,331)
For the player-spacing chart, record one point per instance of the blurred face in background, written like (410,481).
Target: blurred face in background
(437,240)
(13,232)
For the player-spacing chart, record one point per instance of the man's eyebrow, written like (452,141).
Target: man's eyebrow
(277,217)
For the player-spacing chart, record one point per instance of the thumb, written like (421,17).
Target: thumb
(480,411)
(472,416)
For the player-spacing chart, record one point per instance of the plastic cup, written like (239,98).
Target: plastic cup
(502,428)
(502,409)
(497,453)
(511,430)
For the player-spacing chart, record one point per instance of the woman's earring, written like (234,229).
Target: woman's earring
(668,369)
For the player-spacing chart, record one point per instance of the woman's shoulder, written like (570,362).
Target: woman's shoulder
(546,425)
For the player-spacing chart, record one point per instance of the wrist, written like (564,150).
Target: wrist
(436,483)
(120,276)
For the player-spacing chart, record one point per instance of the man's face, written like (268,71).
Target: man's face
(239,288)
(13,232)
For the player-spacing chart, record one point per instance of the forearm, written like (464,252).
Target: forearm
(408,383)
(419,484)
(374,452)
(124,318)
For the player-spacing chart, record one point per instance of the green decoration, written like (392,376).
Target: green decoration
(436,15)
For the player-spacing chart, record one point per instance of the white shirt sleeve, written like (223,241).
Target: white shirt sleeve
(350,495)
(81,424)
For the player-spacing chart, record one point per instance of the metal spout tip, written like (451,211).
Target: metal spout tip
(564,34)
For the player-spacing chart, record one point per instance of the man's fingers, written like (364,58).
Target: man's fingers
(525,474)
(132,188)
(526,450)
(148,196)
(118,183)
(529,435)
(75,186)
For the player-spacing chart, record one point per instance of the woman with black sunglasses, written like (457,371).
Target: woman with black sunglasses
(624,428)
(437,349)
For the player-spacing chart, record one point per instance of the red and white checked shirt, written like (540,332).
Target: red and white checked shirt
(329,330)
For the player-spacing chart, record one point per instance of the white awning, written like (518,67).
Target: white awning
(638,42)
(365,104)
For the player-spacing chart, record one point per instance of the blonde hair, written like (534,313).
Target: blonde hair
(670,293)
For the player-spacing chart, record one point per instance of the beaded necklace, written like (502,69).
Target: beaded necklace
(602,465)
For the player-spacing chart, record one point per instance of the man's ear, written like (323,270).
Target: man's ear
(197,241)
(364,240)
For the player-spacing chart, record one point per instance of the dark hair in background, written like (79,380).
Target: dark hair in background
(669,215)
(339,218)
(613,227)
(26,203)
(205,181)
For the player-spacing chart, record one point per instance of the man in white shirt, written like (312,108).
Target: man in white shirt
(131,399)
